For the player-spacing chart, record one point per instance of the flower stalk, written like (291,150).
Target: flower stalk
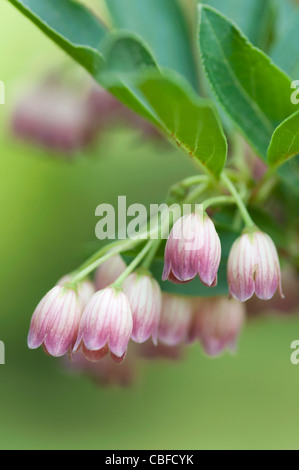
(242,208)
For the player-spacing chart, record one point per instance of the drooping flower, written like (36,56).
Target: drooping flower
(86,289)
(277,305)
(106,372)
(253,267)
(145,299)
(149,351)
(55,322)
(109,271)
(193,247)
(55,117)
(175,320)
(106,325)
(217,324)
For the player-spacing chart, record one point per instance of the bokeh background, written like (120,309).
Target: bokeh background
(47,206)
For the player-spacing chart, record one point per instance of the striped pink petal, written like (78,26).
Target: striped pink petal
(182,249)
(241,268)
(175,320)
(193,247)
(218,324)
(268,277)
(55,322)
(64,330)
(86,288)
(210,255)
(145,299)
(96,321)
(121,324)
(253,267)
(107,320)
(43,317)
(109,272)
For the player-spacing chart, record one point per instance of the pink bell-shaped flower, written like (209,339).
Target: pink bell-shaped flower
(55,117)
(108,272)
(217,324)
(55,322)
(106,325)
(86,289)
(145,299)
(253,267)
(175,319)
(193,247)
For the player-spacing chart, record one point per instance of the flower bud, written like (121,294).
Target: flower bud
(109,272)
(253,267)
(217,324)
(193,247)
(55,322)
(145,299)
(106,325)
(175,320)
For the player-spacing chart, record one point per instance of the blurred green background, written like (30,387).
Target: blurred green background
(47,223)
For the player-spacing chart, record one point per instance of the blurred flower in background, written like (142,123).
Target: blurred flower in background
(66,118)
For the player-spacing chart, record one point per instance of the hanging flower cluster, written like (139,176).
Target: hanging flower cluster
(111,317)
(126,303)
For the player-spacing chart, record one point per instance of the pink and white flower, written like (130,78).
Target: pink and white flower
(253,267)
(106,372)
(149,351)
(217,324)
(106,325)
(86,289)
(193,247)
(145,299)
(55,117)
(175,320)
(55,322)
(109,272)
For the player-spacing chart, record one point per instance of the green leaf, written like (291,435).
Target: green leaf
(70,25)
(285,141)
(254,92)
(191,121)
(170,102)
(166,99)
(289,174)
(254,17)
(285,51)
(126,53)
(161,24)
(127,57)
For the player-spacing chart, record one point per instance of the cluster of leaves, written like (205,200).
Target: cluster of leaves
(156,60)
